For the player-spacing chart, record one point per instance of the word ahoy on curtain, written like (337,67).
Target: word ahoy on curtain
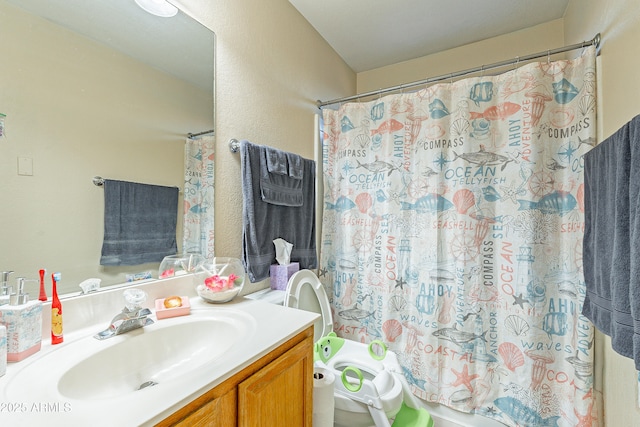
(452,230)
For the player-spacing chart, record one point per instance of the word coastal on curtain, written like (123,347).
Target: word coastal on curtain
(199,159)
(453,226)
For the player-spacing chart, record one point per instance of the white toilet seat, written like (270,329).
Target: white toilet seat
(303,286)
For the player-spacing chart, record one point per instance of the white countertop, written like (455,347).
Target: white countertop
(30,397)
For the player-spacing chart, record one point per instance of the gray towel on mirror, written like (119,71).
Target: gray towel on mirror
(139,223)
(611,241)
(263,221)
(276,185)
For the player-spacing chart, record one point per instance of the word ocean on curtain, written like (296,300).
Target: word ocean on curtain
(452,231)
(198,222)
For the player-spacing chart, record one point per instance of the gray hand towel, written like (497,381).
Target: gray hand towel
(295,166)
(276,161)
(139,223)
(611,245)
(276,185)
(263,221)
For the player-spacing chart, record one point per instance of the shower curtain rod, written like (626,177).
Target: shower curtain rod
(194,135)
(595,41)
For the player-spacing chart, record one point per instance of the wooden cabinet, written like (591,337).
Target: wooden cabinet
(276,390)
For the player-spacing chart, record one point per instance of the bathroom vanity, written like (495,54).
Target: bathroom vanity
(244,363)
(274,391)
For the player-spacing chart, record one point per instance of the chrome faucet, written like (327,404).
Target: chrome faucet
(133,316)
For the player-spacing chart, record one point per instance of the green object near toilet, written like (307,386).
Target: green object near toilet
(410,417)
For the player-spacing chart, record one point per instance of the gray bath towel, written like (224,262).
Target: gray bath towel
(139,223)
(263,221)
(634,233)
(611,245)
(277,186)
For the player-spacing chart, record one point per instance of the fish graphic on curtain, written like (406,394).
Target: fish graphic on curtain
(452,230)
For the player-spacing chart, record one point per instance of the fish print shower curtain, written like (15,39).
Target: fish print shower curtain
(452,230)
(199,159)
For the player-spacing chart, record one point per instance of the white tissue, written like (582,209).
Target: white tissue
(283,251)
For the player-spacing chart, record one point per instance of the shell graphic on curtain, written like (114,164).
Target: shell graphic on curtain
(452,230)
(198,222)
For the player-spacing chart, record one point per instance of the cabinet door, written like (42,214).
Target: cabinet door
(219,412)
(281,393)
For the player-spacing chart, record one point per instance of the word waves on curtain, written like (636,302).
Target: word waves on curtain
(198,221)
(452,230)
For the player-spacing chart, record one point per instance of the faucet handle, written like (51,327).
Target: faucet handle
(134,299)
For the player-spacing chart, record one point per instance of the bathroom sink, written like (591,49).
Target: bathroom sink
(150,357)
(159,355)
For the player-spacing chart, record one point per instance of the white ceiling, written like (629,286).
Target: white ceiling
(370,34)
(179,45)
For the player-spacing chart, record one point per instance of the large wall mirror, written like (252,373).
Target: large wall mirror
(90,88)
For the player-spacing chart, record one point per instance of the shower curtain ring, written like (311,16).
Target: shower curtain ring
(548,56)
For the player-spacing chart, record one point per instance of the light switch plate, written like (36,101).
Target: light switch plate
(25,166)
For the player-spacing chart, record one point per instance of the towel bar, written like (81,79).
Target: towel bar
(99,182)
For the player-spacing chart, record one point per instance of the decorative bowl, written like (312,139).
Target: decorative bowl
(220,280)
(176,265)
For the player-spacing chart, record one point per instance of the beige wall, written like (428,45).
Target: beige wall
(79,109)
(531,40)
(271,67)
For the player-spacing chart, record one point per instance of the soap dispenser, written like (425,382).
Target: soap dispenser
(23,320)
(5,289)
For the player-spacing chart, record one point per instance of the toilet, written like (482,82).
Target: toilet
(368,389)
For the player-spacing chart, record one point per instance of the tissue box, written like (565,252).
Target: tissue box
(280,274)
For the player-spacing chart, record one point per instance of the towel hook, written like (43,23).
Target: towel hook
(234,145)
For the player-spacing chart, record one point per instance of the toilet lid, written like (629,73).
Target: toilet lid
(305,292)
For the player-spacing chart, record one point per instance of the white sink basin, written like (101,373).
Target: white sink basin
(150,357)
(159,355)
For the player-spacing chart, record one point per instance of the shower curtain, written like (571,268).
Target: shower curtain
(452,231)
(199,159)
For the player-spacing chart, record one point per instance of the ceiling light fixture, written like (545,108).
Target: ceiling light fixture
(158,7)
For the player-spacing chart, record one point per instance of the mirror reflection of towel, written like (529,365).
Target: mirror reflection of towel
(139,223)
